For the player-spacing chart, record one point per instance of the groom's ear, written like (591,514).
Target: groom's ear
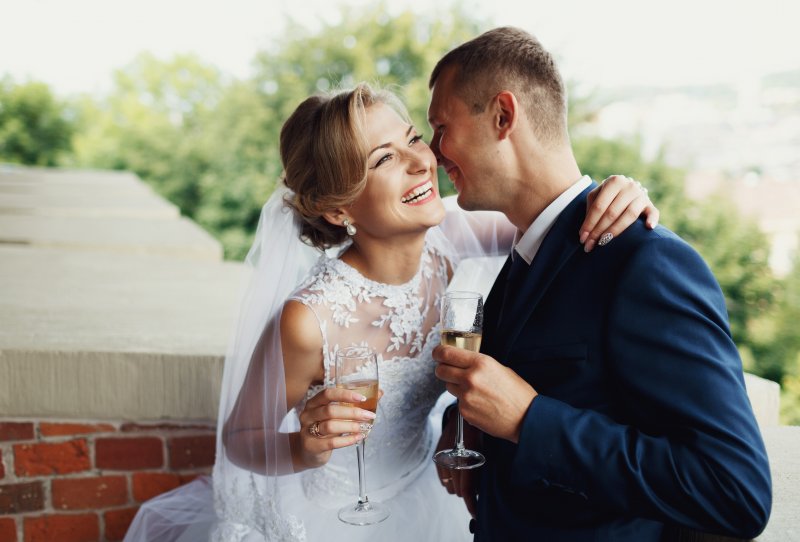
(506,112)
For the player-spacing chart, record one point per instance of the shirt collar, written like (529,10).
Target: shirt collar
(528,244)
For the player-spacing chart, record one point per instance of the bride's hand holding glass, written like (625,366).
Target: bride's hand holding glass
(326,424)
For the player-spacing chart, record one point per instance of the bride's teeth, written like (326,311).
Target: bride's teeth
(414,194)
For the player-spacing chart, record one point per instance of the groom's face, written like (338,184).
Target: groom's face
(460,142)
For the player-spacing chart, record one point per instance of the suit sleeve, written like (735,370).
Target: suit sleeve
(682,445)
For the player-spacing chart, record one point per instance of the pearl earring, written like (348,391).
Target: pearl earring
(348,226)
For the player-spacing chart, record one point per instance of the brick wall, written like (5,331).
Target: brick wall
(83,482)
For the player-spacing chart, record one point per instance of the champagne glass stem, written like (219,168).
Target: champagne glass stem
(459,431)
(362,474)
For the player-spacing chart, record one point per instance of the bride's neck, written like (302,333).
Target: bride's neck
(390,261)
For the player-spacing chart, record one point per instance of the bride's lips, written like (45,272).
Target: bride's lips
(420,194)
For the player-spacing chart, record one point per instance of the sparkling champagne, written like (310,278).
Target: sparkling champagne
(367,388)
(467,340)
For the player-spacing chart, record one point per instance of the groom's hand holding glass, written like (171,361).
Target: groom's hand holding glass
(491,396)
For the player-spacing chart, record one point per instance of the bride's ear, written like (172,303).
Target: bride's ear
(337,217)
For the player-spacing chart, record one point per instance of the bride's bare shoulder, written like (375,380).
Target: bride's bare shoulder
(300,333)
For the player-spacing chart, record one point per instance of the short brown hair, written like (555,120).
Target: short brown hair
(509,58)
(324,153)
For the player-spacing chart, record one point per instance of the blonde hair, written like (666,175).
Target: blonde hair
(324,151)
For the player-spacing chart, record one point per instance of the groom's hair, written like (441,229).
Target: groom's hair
(509,58)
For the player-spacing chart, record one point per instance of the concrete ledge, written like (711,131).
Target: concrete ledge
(95,335)
(109,385)
(765,396)
(783,448)
(177,237)
(53,192)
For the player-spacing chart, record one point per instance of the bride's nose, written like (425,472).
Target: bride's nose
(418,162)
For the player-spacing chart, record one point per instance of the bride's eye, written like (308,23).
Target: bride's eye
(383,159)
(415,139)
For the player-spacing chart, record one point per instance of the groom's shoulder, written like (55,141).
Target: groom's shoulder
(653,246)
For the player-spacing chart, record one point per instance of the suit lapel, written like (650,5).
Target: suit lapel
(558,246)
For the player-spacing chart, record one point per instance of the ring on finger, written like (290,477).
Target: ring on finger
(605,239)
(446,480)
(313,430)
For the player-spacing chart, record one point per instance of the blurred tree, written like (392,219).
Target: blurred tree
(211,146)
(34,126)
(153,124)
(777,348)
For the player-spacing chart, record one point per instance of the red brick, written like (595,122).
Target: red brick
(62,528)
(16,431)
(87,493)
(129,453)
(8,530)
(47,458)
(117,522)
(17,498)
(147,485)
(140,427)
(61,429)
(192,452)
(2,467)
(191,477)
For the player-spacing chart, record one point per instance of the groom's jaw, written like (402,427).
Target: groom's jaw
(418,194)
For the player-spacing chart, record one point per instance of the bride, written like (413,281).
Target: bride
(357,248)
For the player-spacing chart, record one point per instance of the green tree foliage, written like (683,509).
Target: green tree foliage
(153,124)
(34,125)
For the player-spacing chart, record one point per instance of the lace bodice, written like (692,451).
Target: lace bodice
(400,322)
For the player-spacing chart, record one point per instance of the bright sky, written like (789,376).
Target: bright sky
(75,45)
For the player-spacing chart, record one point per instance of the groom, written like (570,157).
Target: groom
(608,389)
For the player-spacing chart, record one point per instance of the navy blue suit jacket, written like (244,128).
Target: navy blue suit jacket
(642,418)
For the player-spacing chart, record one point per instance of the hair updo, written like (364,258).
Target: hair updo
(324,151)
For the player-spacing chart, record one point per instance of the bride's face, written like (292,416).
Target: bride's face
(402,195)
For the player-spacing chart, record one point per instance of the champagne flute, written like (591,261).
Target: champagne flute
(357,370)
(462,325)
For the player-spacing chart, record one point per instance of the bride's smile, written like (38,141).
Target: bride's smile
(422,193)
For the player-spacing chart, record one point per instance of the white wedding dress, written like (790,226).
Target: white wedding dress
(400,322)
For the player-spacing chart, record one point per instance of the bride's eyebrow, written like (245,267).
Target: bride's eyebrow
(385,145)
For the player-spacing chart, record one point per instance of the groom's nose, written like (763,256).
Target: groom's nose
(434,145)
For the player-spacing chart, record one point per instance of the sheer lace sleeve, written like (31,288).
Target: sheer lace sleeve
(474,234)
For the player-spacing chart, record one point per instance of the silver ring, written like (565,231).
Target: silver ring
(605,239)
(313,430)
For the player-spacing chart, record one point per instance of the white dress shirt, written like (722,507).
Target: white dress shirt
(528,245)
